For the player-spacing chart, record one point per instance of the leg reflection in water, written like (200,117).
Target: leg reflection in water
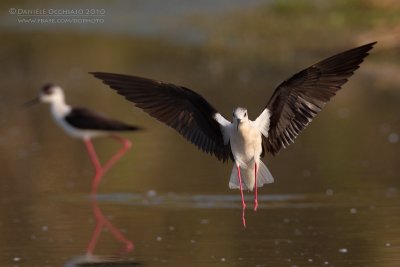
(103,222)
(90,259)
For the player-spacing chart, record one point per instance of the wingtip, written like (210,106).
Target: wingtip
(96,73)
(362,49)
(138,128)
(132,128)
(368,46)
(371,43)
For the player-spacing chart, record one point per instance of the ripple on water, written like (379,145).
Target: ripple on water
(172,200)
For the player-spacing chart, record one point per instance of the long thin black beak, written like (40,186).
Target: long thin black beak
(32,102)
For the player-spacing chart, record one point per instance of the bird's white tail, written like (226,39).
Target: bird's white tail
(263,177)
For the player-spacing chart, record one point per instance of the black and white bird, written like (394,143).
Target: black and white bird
(85,124)
(293,105)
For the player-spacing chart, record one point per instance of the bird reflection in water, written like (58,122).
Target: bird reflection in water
(90,259)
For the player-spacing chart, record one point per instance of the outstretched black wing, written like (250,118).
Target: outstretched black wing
(85,119)
(299,99)
(180,108)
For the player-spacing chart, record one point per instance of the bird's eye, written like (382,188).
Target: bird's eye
(245,114)
(48,89)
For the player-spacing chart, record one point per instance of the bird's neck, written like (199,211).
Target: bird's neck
(242,127)
(59,108)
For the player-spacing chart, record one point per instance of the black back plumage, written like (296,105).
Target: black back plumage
(180,108)
(86,119)
(298,100)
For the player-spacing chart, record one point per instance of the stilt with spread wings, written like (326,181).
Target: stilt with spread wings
(291,108)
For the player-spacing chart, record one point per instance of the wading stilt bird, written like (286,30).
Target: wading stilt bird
(85,124)
(293,105)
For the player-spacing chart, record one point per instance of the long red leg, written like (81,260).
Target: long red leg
(92,155)
(96,163)
(255,188)
(241,193)
(101,170)
(117,156)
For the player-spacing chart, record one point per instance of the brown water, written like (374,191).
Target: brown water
(335,200)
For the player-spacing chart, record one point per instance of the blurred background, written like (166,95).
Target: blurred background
(335,200)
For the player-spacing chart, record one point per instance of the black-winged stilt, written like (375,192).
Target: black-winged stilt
(85,124)
(291,108)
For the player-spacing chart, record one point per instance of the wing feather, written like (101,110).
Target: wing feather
(180,108)
(300,98)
